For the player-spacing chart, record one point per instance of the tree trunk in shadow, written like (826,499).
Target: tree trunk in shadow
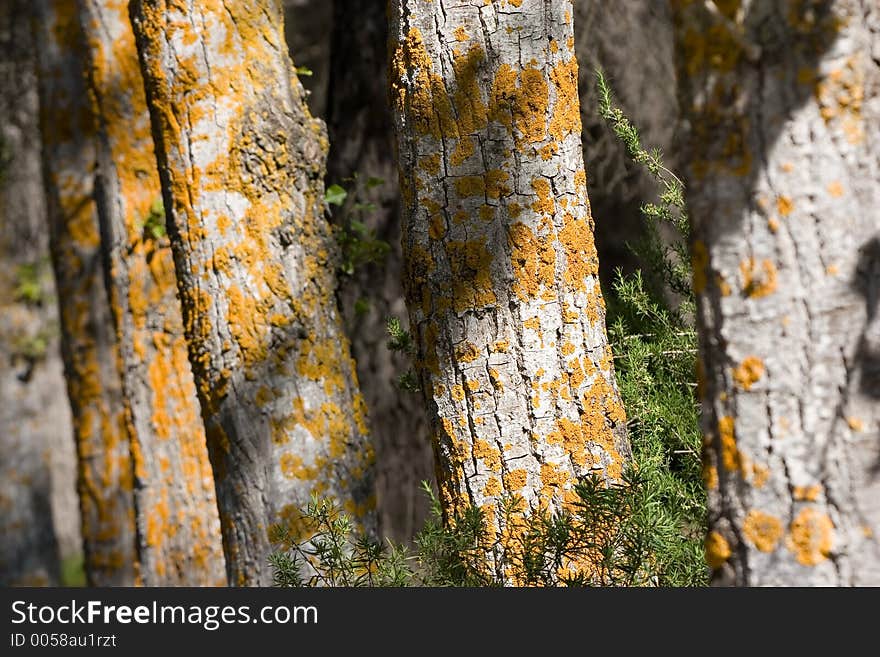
(362,160)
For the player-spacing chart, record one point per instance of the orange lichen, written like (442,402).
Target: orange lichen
(835,189)
(749,372)
(811,536)
(730,454)
(807,493)
(784,205)
(710,477)
(757,284)
(717,550)
(534,261)
(763,530)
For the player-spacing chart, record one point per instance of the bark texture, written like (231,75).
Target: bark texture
(35,430)
(178,526)
(362,144)
(89,347)
(242,165)
(783,100)
(501,269)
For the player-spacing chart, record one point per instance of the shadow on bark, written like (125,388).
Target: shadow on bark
(867,356)
(361,134)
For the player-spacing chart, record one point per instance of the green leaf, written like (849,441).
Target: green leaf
(335,195)
(304,70)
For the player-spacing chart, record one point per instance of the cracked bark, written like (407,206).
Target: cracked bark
(88,342)
(241,163)
(501,272)
(783,101)
(176,509)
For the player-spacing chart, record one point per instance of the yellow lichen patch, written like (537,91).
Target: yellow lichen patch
(699,265)
(519,100)
(547,152)
(493,487)
(545,203)
(835,189)
(471,278)
(784,205)
(811,536)
(758,283)
(533,259)
(855,423)
(763,530)
(497,381)
(730,454)
(501,346)
(466,352)
(581,260)
(841,95)
(417,90)
(488,454)
(566,116)
(807,493)
(430,163)
(436,227)
(760,475)
(457,392)
(710,476)
(773,224)
(749,371)
(516,479)
(717,550)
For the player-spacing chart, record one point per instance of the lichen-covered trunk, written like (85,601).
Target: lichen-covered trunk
(36,438)
(362,145)
(176,509)
(783,100)
(88,340)
(614,36)
(501,270)
(242,164)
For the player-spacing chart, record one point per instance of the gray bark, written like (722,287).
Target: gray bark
(501,270)
(176,509)
(241,162)
(783,101)
(88,341)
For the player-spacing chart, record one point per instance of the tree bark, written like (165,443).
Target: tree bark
(362,145)
(501,270)
(782,100)
(242,164)
(178,526)
(35,429)
(88,341)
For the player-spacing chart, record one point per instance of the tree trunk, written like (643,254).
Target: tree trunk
(501,270)
(362,144)
(242,164)
(89,347)
(178,527)
(785,135)
(35,430)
